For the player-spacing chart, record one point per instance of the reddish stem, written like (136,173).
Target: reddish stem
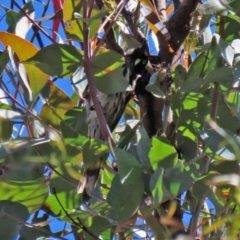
(87,62)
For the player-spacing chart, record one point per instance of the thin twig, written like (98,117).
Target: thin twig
(80,224)
(31,225)
(33,22)
(215,99)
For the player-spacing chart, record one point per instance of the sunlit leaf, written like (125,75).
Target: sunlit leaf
(57,59)
(168,156)
(107,72)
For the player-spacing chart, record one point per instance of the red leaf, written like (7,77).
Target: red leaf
(57,5)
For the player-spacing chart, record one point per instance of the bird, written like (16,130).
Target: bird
(113,106)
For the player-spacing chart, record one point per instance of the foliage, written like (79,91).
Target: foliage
(44,136)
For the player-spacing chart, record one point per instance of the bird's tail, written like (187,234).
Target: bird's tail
(88,183)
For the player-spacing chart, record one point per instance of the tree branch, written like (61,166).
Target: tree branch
(87,62)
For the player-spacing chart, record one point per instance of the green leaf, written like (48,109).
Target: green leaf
(73,27)
(102,13)
(232,5)
(74,123)
(127,132)
(154,84)
(162,153)
(59,60)
(221,143)
(226,51)
(93,151)
(65,186)
(10,227)
(97,225)
(159,191)
(103,208)
(129,168)
(166,184)
(223,167)
(195,107)
(231,28)
(177,179)
(200,188)
(31,193)
(125,199)
(233,101)
(194,73)
(107,72)
(58,104)
(222,75)
(187,147)
(6,127)
(4,59)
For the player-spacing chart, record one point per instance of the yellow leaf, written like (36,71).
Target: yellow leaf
(24,50)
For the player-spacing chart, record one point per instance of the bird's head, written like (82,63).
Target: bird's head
(135,63)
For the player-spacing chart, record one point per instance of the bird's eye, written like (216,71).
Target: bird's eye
(144,62)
